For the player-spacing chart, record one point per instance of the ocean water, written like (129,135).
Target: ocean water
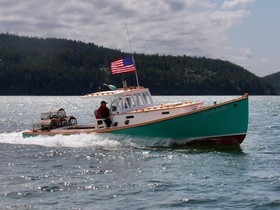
(103,171)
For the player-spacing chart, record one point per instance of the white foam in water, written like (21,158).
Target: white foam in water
(80,140)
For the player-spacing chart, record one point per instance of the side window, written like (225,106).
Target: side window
(130,102)
(147,98)
(139,99)
(127,102)
(144,98)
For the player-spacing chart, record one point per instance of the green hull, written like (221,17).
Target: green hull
(225,123)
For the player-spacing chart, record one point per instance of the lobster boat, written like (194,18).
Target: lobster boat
(134,112)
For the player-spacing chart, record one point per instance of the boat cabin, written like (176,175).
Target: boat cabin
(125,100)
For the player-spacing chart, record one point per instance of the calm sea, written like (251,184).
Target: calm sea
(119,172)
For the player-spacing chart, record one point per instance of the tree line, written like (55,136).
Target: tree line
(51,66)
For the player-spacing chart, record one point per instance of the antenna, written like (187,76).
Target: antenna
(128,39)
(132,55)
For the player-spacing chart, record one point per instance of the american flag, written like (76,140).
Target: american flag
(123,66)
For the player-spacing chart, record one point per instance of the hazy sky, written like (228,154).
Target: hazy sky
(245,32)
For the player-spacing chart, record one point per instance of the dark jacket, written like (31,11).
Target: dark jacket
(103,112)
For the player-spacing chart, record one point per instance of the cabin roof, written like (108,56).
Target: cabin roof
(118,92)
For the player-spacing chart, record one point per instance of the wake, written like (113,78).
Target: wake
(74,141)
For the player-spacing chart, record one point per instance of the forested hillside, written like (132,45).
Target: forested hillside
(37,66)
(274,80)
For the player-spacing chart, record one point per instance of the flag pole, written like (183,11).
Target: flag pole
(136,76)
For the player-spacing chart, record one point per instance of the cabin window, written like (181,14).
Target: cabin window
(147,98)
(144,98)
(139,99)
(128,102)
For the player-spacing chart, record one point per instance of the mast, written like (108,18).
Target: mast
(136,76)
